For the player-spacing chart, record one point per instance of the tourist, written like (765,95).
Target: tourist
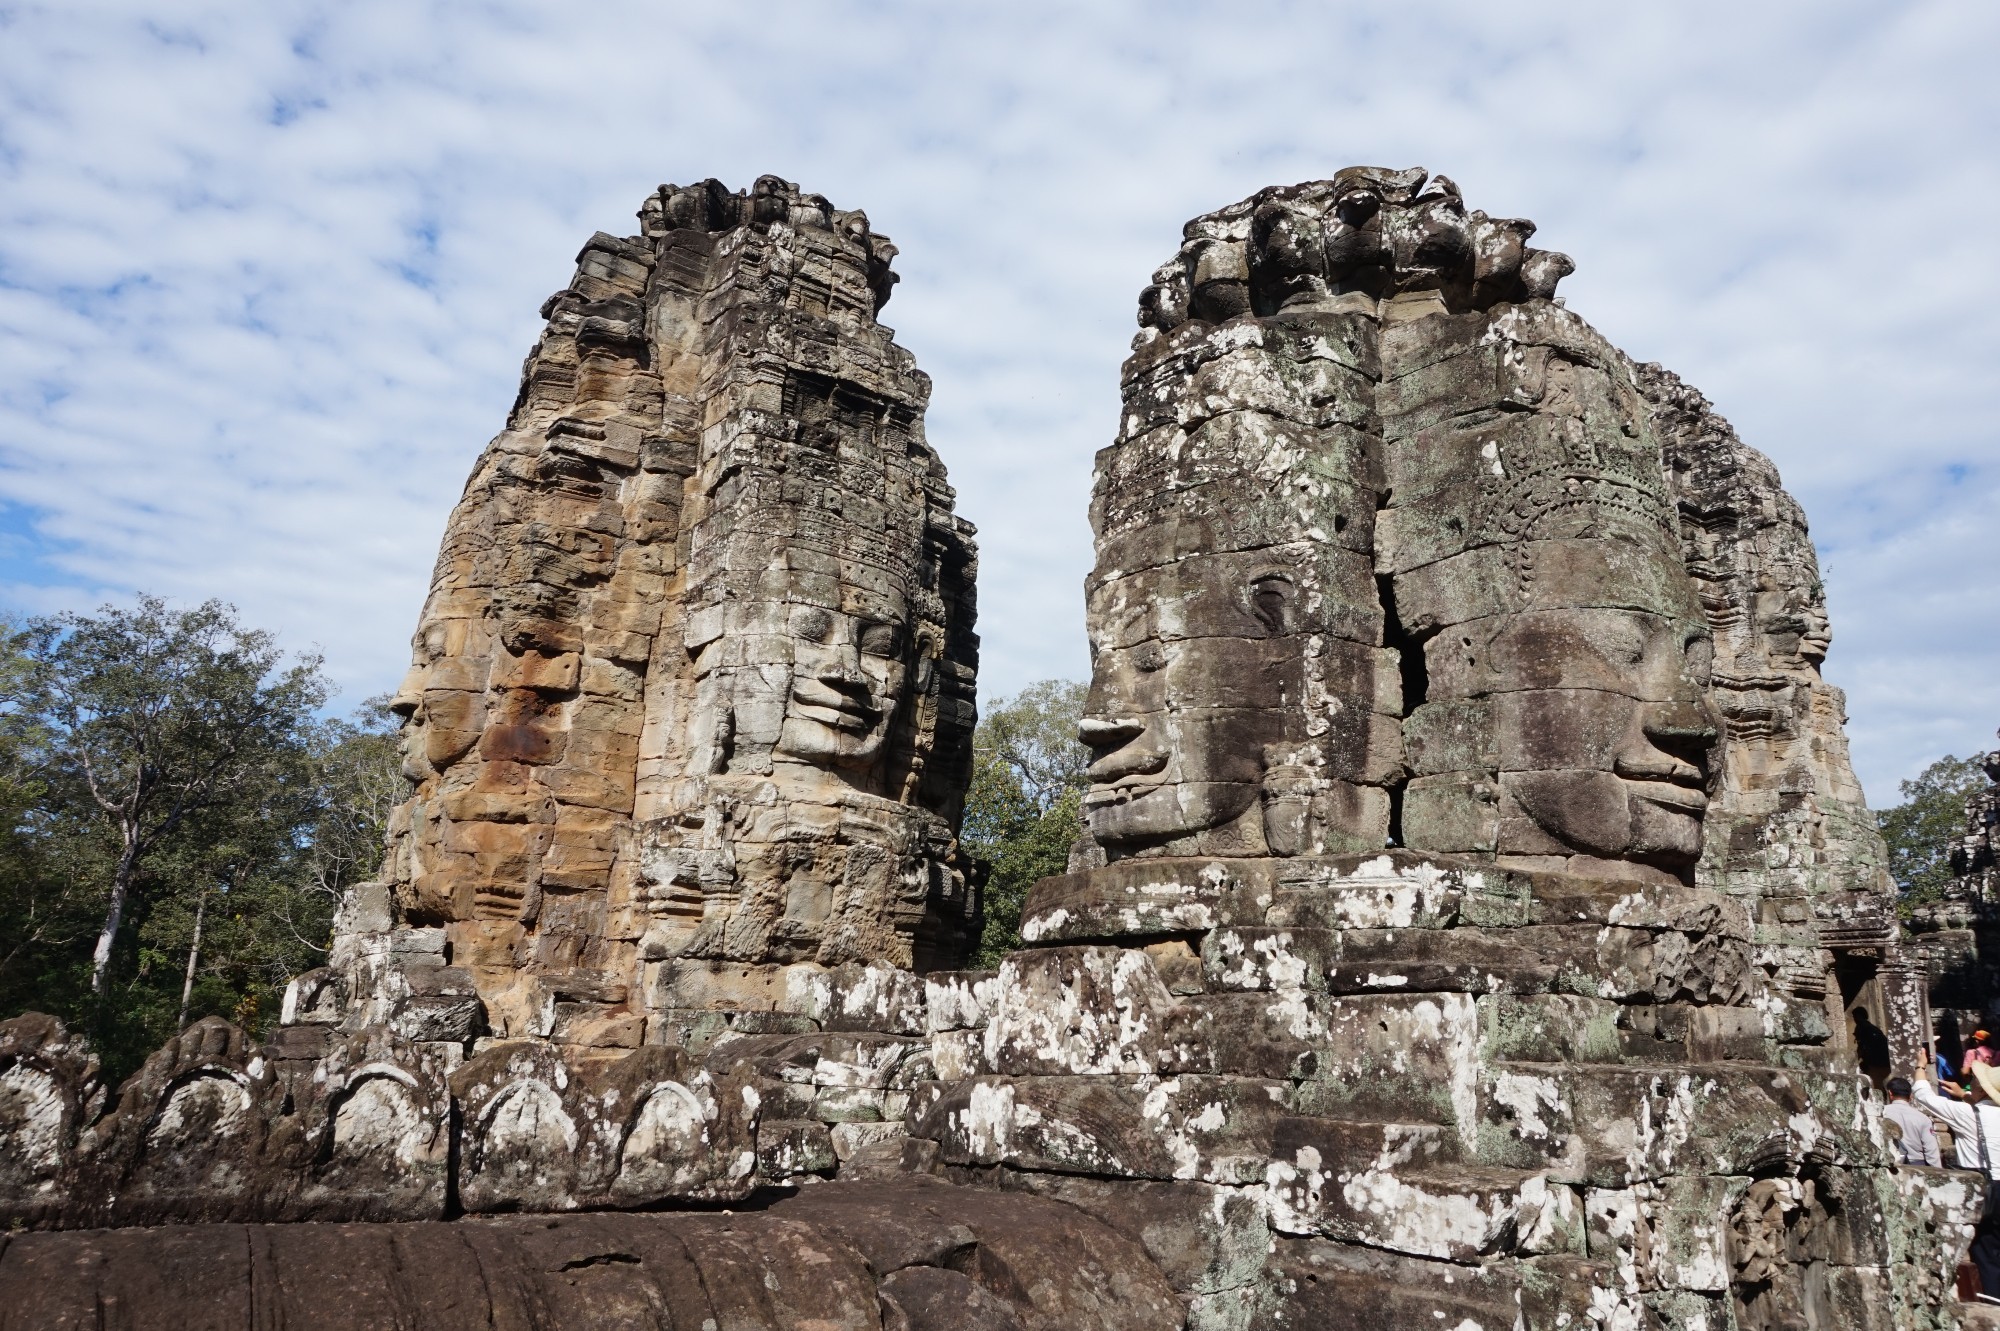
(1982,1051)
(1975,1130)
(1916,1142)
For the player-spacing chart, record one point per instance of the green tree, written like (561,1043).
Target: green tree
(177,824)
(1023,809)
(159,719)
(355,774)
(46,900)
(256,889)
(1920,831)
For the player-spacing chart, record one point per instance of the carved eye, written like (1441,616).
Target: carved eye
(813,624)
(1270,602)
(1621,642)
(1150,657)
(882,640)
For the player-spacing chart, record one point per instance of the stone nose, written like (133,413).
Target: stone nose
(1682,722)
(838,665)
(410,693)
(1679,738)
(1120,752)
(1100,734)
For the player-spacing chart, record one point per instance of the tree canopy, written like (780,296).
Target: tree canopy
(179,819)
(1024,807)
(1920,831)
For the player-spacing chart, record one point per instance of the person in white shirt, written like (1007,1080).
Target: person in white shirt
(1975,1128)
(1916,1142)
(1974,1124)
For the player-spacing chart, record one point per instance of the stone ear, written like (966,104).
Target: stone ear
(1271,602)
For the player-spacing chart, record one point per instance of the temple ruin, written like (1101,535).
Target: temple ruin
(1958,936)
(1476,921)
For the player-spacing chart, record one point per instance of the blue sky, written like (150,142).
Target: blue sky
(268,270)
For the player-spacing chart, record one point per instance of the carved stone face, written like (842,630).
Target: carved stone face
(1198,675)
(1601,727)
(846,683)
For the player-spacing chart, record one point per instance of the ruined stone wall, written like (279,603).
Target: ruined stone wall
(1958,937)
(1430,1088)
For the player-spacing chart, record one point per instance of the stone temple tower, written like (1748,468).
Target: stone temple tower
(695,677)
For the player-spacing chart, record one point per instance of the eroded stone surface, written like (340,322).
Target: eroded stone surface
(695,675)
(1394,549)
(1478,927)
(848,1257)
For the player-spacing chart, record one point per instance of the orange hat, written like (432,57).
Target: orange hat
(1979,1035)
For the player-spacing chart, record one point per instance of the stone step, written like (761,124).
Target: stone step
(1610,961)
(1622,1123)
(1310,1282)
(1214,1129)
(1455,1212)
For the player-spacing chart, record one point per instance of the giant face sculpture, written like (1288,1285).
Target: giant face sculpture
(815,750)
(806,690)
(1599,732)
(1198,677)
(1436,596)
(1563,637)
(846,684)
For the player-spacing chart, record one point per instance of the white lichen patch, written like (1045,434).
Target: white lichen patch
(1526,1096)
(31,1121)
(1095,1010)
(986,1124)
(1389,1211)
(381,1118)
(1037,928)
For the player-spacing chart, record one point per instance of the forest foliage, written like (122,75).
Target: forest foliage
(1025,806)
(181,819)
(1921,830)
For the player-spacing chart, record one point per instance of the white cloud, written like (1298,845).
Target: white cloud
(267,271)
